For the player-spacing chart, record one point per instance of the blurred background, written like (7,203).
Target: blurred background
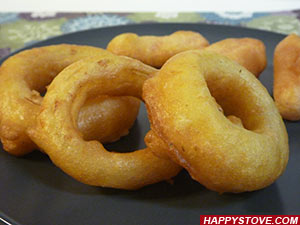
(148,5)
(25,22)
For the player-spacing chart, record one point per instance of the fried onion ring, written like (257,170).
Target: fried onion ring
(287,77)
(156,50)
(27,73)
(248,52)
(57,134)
(222,154)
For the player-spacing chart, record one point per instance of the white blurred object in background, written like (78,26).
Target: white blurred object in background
(147,5)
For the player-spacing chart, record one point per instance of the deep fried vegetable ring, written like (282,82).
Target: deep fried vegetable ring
(248,52)
(87,161)
(183,106)
(156,50)
(287,77)
(25,74)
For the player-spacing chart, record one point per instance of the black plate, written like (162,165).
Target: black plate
(34,191)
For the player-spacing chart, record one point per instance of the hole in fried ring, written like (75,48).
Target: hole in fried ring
(25,75)
(57,134)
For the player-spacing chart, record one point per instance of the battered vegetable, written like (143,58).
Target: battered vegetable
(248,52)
(156,50)
(27,73)
(57,134)
(223,154)
(287,77)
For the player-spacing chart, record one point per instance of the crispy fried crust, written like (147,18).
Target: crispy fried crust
(222,154)
(27,73)
(156,50)
(56,132)
(248,52)
(287,77)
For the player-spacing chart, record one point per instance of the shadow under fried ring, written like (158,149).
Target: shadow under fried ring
(37,169)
